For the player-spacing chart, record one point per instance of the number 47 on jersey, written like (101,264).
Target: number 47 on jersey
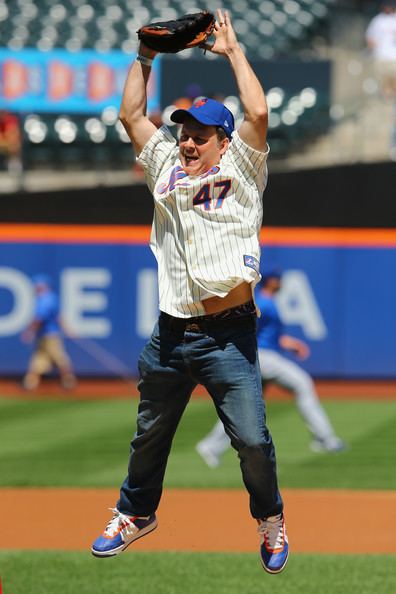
(212,197)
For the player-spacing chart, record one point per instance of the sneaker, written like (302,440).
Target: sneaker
(332,445)
(30,383)
(68,382)
(120,532)
(274,545)
(207,454)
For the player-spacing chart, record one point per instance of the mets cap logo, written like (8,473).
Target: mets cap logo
(200,102)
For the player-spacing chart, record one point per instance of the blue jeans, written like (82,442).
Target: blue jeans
(223,358)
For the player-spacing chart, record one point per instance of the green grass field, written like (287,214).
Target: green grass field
(193,573)
(86,443)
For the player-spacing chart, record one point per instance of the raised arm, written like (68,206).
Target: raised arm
(295,346)
(133,111)
(253,129)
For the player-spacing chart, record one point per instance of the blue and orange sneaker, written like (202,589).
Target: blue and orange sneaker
(331,445)
(274,545)
(120,532)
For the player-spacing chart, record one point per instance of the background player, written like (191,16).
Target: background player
(208,211)
(277,368)
(46,332)
(11,144)
(381,40)
(380,36)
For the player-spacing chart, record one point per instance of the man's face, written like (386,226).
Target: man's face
(199,147)
(41,288)
(273,284)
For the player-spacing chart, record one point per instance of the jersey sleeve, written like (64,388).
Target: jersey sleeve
(372,30)
(251,164)
(40,310)
(157,155)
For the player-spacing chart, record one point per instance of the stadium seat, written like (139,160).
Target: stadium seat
(294,120)
(268,29)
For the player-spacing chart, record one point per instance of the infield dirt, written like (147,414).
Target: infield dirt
(327,521)
(88,388)
(321,521)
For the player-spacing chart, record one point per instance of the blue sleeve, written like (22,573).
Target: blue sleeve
(46,307)
(269,327)
(41,311)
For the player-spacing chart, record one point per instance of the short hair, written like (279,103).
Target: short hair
(388,4)
(221,133)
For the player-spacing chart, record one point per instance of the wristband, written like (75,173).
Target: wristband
(144,60)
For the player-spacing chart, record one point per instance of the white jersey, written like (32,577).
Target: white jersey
(205,233)
(382,31)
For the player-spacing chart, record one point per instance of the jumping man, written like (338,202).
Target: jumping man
(208,211)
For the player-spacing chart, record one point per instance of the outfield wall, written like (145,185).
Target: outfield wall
(339,294)
(358,195)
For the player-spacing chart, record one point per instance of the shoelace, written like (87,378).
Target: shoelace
(272,532)
(118,523)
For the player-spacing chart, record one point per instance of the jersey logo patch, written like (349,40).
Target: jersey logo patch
(252,262)
(200,102)
(177,174)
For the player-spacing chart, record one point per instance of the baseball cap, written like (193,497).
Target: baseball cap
(208,112)
(273,272)
(41,279)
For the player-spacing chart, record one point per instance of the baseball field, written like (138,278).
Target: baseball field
(64,455)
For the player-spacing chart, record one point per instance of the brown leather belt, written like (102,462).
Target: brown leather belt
(241,314)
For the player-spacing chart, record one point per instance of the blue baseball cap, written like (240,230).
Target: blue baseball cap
(208,112)
(268,273)
(41,279)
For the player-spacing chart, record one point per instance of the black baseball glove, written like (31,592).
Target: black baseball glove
(171,37)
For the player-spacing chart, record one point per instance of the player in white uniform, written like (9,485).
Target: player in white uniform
(207,195)
(278,369)
(381,40)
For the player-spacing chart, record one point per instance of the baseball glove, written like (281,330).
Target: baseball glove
(170,37)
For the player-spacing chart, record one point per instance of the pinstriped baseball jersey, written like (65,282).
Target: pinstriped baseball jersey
(205,228)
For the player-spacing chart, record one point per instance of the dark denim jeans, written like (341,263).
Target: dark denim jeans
(223,358)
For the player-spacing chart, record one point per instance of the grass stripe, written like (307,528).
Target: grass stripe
(193,573)
(86,443)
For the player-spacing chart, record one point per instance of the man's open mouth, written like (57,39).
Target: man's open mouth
(190,159)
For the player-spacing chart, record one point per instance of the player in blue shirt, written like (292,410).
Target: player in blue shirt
(46,332)
(279,369)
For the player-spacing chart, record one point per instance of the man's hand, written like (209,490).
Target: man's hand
(27,336)
(295,346)
(225,37)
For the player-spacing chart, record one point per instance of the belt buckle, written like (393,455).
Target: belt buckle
(192,327)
